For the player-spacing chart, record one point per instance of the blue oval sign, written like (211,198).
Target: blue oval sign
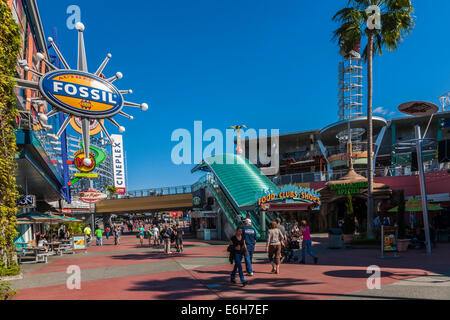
(81,94)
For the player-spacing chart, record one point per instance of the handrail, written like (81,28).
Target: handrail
(231,216)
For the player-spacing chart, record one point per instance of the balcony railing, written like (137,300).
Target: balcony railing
(155,192)
(336,174)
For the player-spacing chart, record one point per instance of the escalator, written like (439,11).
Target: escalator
(234,184)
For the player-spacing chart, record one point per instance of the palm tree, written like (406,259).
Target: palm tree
(111,190)
(397,21)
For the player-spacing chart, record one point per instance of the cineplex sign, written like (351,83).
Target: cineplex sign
(349,188)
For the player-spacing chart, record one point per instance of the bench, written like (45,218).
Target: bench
(38,254)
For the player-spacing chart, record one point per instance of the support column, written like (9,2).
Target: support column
(262,215)
(393,142)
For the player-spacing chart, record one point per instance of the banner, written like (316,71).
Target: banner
(118,163)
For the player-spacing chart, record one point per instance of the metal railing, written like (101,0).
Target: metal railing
(336,174)
(155,192)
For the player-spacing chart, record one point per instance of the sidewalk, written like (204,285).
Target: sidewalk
(129,271)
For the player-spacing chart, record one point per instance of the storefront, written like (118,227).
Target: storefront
(352,186)
(204,224)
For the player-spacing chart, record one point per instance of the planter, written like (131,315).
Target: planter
(402,244)
(348,238)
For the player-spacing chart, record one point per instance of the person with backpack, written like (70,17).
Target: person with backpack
(166,234)
(179,238)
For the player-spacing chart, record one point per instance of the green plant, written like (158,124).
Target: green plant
(75,227)
(401,217)
(5,290)
(10,45)
(349,219)
(396,22)
(111,190)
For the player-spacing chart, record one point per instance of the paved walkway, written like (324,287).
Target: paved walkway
(129,271)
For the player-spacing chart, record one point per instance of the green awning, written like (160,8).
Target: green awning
(415,205)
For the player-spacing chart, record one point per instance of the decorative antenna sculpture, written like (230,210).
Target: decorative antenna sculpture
(79,93)
(238,140)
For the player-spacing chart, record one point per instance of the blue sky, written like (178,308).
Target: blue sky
(266,64)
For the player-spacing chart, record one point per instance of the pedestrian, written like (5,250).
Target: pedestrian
(238,249)
(116,235)
(87,232)
(150,236)
(275,240)
(141,234)
(107,231)
(155,231)
(282,228)
(250,241)
(179,238)
(306,243)
(166,234)
(99,234)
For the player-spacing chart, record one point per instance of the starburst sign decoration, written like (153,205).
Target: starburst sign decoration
(79,93)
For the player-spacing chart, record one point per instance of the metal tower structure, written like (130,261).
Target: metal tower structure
(350,84)
(445,101)
(350,88)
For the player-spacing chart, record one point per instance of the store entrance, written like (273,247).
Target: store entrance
(339,208)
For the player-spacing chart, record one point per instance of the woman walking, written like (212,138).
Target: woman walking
(141,230)
(273,246)
(179,238)
(306,243)
(238,249)
(116,235)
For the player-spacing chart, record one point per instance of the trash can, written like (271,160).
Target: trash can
(206,234)
(335,238)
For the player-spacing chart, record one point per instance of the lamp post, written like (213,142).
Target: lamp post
(417,108)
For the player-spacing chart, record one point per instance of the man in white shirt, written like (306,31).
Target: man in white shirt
(155,232)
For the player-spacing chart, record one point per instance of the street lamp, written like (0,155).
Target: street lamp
(420,108)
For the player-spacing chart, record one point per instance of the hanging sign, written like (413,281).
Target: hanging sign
(291,192)
(349,188)
(80,164)
(92,196)
(94,126)
(79,93)
(118,163)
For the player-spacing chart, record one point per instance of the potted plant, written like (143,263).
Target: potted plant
(348,229)
(402,242)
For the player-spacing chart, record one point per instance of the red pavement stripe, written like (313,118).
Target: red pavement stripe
(294,282)
(90,262)
(169,285)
